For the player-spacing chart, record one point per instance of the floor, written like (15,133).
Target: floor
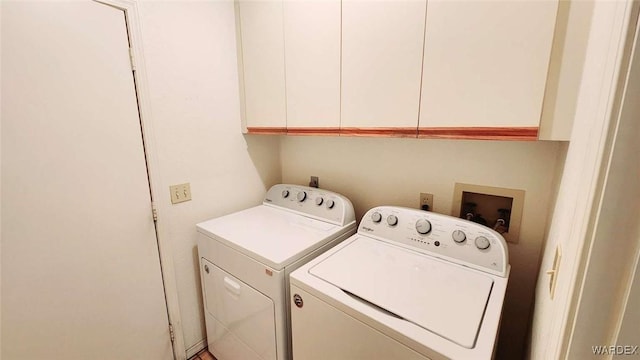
(203,355)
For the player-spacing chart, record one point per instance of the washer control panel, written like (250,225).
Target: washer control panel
(447,237)
(316,203)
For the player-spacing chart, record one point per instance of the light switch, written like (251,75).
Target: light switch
(180,193)
(553,273)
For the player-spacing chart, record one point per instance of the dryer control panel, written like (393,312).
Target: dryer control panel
(446,237)
(312,202)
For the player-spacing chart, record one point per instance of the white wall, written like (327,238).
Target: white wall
(0,199)
(380,171)
(190,52)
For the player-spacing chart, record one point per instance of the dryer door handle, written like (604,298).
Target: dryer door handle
(232,286)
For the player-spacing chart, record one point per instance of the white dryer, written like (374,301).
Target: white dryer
(245,261)
(409,285)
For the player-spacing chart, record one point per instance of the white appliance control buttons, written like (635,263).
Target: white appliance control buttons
(482,243)
(302,195)
(423,226)
(447,237)
(330,204)
(285,193)
(459,236)
(319,200)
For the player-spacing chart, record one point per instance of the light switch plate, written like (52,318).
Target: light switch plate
(180,193)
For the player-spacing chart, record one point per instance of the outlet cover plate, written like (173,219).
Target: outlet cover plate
(180,193)
(314,182)
(426,199)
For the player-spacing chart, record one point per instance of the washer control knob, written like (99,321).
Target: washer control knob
(376,217)
(319,200)
(285,193)
(423,226)
(392,220)
(302,195)
(482,243)
(330,204)
(459,236)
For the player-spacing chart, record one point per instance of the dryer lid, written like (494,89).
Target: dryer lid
(270,235)
(444,298)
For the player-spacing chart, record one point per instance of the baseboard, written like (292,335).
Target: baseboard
(199,346)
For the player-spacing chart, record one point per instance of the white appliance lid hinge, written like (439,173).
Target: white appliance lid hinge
(171,333)
(154,211)
(131,59)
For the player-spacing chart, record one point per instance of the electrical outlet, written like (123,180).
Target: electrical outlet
(315,182)
(180,193)
(426,199)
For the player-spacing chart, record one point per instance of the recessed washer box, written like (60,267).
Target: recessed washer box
(494,207)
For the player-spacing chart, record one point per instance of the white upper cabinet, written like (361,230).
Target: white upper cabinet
(485,64)
(312,55)
(439,68)
(382,47)
(261,32)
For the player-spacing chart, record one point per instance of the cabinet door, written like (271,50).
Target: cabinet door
(312,53)
(262,42)
(485,67)
(382,47)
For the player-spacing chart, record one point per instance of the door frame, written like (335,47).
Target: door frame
(595,140)
(591,257)
(134,33)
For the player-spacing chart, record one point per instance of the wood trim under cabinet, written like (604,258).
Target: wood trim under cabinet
(480,133)
(313,131)
(380,132)
(468,133)
(267,130)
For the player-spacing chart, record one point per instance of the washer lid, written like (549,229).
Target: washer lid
(270,235)
(444,298)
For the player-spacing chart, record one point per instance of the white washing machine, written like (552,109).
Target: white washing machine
(245,261)
(409,285)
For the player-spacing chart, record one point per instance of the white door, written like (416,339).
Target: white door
(80,267)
